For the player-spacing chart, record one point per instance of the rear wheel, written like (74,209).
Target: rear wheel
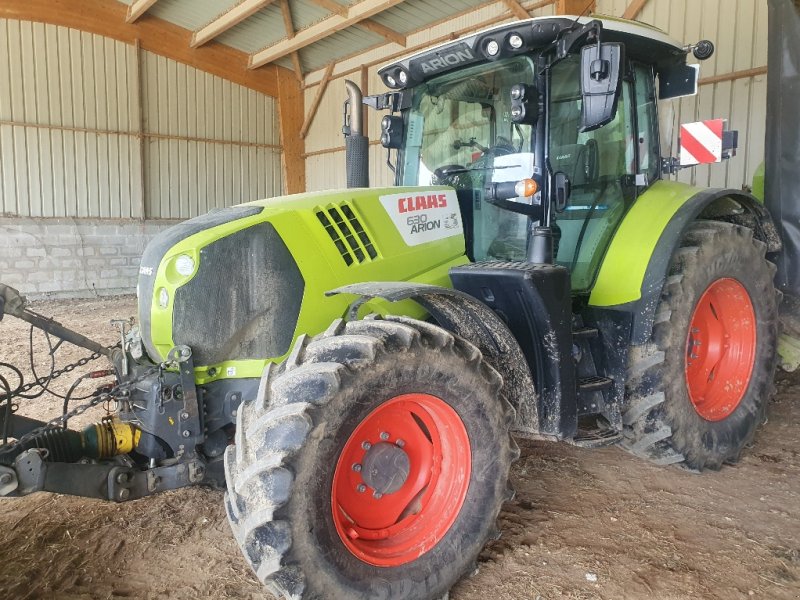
(372,464)
(699,388)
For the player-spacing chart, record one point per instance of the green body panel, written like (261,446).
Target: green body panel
(320,263)
(624,266)
(758,182)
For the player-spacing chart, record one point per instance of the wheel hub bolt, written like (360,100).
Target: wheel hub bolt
(400,443)
(361,488)
(377,495)
(366,445)
(384,436)
(357,468)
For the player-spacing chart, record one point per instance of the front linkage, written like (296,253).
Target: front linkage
(149,445)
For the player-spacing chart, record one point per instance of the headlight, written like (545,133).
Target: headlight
(163,297)
(184,265)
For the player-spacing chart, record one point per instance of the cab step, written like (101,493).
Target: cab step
(584,333)
(595,438)
(594,383)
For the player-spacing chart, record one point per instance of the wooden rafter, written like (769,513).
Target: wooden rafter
(317,99)
(287,19)
(298,67)
(355,13)
(390,35)
(332,6)
(230,18)
(516,9)
(370,25)
(633,9)
(289,26)
(137,9)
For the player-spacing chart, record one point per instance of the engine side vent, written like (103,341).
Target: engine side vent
(347,233)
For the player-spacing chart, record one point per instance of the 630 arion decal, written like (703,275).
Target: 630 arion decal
(424,217)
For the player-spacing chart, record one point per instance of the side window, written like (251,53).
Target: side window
(647,122)
(600,165)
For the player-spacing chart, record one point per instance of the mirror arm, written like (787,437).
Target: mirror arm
(576,37)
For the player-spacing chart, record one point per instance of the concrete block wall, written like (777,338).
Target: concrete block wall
(73,258)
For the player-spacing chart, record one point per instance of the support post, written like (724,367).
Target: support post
(290,115)
(575,7)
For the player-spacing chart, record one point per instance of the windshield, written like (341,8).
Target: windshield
(458,132)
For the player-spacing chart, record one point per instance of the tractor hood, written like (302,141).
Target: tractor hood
(238,285)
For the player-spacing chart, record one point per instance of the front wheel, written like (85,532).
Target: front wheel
(372,464)
(698,389)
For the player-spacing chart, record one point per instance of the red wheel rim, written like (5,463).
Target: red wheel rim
(720,349)
(399,526)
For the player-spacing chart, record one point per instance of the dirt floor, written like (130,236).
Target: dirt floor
(585,524)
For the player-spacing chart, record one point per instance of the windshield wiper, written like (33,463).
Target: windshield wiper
(446,172)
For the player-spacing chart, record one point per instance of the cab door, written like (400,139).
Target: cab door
(601,166)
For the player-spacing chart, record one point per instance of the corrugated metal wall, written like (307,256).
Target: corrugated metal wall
(208,142)
(737,27)
(80,112)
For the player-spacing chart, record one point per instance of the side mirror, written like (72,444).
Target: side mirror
(392,131)
(600,84)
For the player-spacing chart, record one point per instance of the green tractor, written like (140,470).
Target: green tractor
(355,364)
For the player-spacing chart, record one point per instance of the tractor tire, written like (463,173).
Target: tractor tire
(698,389)
(372,464)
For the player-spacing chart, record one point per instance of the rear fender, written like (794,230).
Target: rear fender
(636,265)
(472,320)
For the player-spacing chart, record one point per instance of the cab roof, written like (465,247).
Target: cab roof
(643,42)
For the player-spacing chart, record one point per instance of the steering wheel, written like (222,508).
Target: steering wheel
(441,175)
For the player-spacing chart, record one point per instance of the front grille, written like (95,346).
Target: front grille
(347,233)
(244,300)
(160,245)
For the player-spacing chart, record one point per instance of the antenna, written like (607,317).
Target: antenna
(580,16)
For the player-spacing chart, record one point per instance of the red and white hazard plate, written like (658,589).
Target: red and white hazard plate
(701,142)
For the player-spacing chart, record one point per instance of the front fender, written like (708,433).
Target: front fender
(472,320)
(634,268)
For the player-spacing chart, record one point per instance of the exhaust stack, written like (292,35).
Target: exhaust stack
(356,143)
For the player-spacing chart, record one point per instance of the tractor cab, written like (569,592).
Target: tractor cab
(546,128)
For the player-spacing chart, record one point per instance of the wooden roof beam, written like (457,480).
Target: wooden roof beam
(633,9)
(289,26)
(390,35)
(287,19)
(355,13)
(332,6)
(137,9)
(228,19)
(516,9)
